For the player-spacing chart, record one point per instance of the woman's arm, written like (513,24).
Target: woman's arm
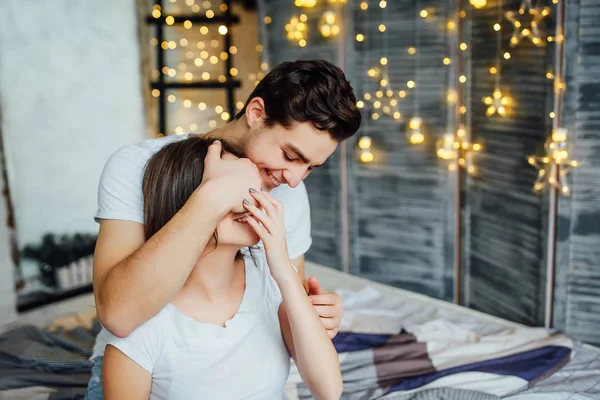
(122,378)
(303,332)
(307,340)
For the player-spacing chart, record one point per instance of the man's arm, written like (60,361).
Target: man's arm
(133,279)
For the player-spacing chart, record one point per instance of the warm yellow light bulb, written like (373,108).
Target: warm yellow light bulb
(415,123)
(559,135)
(366,157)
(364,142)
(360,37)
(478,3)
(417,138)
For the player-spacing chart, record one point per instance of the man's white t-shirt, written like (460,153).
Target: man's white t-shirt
(245,359)
(120,197)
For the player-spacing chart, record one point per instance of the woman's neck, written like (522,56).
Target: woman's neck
(215,274)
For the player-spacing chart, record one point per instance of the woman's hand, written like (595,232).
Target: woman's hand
(268,225)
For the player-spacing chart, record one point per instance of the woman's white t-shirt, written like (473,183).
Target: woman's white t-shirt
(246,359)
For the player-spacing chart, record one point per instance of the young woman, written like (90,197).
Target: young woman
(229,332)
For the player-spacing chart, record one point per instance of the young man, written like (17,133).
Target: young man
(292,122)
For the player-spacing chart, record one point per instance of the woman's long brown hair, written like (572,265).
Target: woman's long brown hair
(171,176)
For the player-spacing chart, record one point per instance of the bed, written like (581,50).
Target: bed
(393,344)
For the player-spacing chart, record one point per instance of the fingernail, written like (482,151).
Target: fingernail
(253,191)
(217,141)
(246,202)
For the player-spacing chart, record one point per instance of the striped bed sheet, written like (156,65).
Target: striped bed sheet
(396,344)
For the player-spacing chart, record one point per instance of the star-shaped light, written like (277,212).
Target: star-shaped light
(555,165)
(296,29)
(457,150)
(385,101)
(526,23)
(497,103)
(328,25)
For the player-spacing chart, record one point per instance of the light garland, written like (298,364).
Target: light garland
(297,29)
(364,144)
(328,25)
(457,150)
(384,100)
(200,59)
(497,103)
(526,23)
(415,124)
(555,164)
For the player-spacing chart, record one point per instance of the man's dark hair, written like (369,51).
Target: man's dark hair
(313,91)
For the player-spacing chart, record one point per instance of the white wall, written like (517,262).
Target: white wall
(7,295)
(70,92)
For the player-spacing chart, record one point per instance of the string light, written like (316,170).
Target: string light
(305,3)
(497,103)
(296,30)
(457,151)
(526,23)
(415,134)
(478,3)
(555,165)
(364,144)
(327,25)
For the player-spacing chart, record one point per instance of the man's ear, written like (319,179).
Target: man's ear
(255,110)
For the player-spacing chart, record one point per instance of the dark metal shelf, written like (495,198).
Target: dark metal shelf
(38,299)
(195,19)
(196,85)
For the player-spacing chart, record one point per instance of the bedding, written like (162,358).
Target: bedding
(393,344)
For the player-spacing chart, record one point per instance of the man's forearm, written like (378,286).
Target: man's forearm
(141,285)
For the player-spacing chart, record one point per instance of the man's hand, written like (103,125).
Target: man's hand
(229,179)
(327,305)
